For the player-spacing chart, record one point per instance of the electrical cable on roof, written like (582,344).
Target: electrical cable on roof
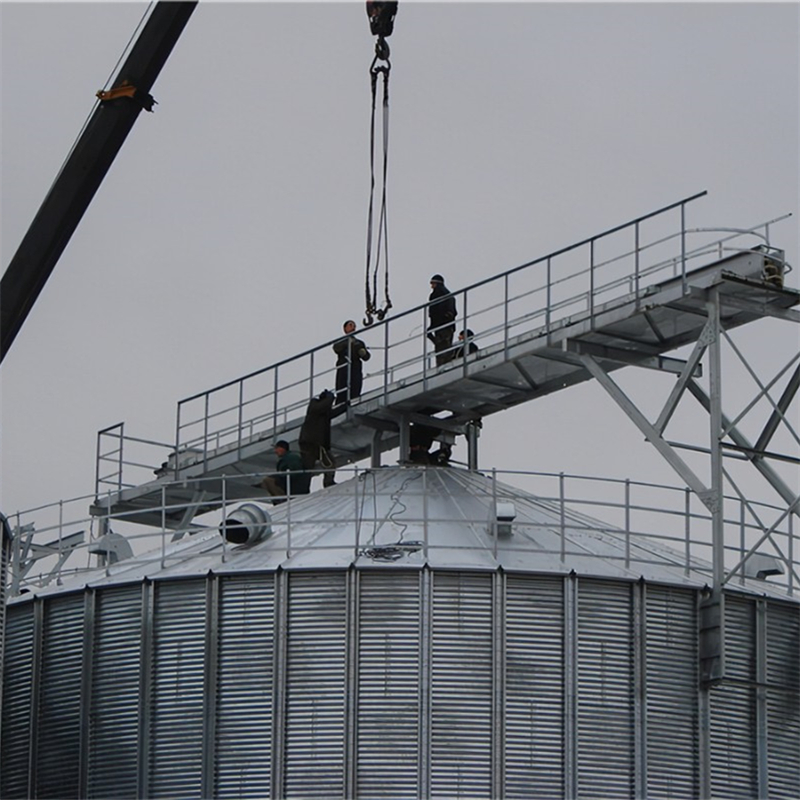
(381,19)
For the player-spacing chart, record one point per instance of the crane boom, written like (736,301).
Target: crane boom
(87,165)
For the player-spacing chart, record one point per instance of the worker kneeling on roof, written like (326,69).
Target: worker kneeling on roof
(290,478)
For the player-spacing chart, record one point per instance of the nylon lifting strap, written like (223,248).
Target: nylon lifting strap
(381,17)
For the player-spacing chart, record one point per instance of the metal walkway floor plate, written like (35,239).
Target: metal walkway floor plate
(639,328)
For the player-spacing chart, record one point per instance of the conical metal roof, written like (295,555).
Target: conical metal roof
(410,516)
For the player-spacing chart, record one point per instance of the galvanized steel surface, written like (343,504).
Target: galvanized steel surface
(391,683)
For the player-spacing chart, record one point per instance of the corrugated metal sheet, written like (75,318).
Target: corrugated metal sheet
(671,693)
(115,696)
(534,687)
(733,716)
(605,690)
(315,685)
(176,737)
(389,690)
(783,700)
(17,702)
(245,697)
(461,685)
(59,724)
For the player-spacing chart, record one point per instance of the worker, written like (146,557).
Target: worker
(350,353)
(441,316)
(468,347)
(421,438)
(290,466)
(315,437)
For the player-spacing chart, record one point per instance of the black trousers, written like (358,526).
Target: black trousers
(356,379)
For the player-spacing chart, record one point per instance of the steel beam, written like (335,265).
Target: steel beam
(650,433)
(680,386)
(765,469)
(661,363)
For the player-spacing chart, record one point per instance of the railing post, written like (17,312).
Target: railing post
(385,359)
(790,554)
(465,342)
(548,301)
(683,248)
(424,348)
(562,517)
(121,460)
(311,378)
(163,527)
(177,440)
(275,401)
(505,313)
(627,523)
(687,493)
(494,513)
(239,425)
(591,284)
(425,511)
(205,431)
(636,245)
(224,501)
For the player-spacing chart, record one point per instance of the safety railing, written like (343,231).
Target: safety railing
(576,282)
(640,523)
(121,456)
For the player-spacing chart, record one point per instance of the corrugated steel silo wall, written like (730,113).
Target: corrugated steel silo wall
(394,683)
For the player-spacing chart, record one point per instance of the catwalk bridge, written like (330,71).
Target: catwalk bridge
(627,296)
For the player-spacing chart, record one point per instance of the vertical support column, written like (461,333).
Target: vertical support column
(498,683)
(639,690)
(351,678)
(405,441)
(762,742)
(146,687)
(570,686)
(375,449)
(280,664)
(210,687)
(704,738)
(715,499)
(87,665)
(36,693)
(426,612)
(712,608)
(473,432)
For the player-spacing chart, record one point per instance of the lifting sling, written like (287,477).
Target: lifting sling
(381,20)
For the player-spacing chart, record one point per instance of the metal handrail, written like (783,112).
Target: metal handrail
(651,512)
(227,424)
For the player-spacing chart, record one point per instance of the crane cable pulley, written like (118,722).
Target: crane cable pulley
(381,19)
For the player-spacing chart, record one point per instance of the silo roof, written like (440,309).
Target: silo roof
(408,517)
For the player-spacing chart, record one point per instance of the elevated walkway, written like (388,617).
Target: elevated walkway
(534,326)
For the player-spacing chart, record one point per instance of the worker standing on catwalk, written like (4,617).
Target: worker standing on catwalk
(350,353)
(442,318)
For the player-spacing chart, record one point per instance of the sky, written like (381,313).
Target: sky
(230,232)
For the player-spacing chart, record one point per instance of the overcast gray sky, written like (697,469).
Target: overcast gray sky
(230,232)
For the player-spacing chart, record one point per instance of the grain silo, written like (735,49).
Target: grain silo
(411,632)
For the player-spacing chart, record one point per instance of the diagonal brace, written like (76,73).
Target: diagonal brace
(738,438)
(650,433)
(680,386)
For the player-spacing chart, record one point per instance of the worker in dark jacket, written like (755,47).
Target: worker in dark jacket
(290,477)
(315,437)
(441,317)
(468,347)
(350,353)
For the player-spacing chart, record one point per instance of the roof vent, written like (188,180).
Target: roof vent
(501,514)
(113,546)
(246,525)
(761,566)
